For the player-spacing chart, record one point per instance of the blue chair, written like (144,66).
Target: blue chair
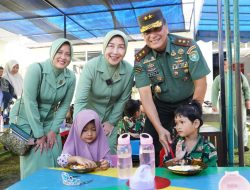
(135,145)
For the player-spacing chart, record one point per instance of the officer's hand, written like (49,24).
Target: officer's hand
(108,128)
(165,139)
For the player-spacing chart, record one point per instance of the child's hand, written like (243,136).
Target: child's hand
(179,152)
(104,164)
(85,162)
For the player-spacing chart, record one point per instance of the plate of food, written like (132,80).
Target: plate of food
(187,169)
(82,169)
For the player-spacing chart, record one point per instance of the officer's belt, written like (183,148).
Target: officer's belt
(185,101)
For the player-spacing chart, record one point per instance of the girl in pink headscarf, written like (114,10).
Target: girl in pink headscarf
(86,143)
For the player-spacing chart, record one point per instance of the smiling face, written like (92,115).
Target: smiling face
(89,132)
(14,69)
(185,127)
(156,38)
(115,50)
(62,57)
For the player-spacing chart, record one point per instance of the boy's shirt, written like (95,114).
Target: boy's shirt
(132,126)
(203,150)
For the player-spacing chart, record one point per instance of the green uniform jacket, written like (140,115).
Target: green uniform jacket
(245,93)
(46,115)
(173,70)
(93,92)
(52,91)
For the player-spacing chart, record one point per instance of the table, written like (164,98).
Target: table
(50,178)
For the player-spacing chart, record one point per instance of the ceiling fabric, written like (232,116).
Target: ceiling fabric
(43,20)
(208,24)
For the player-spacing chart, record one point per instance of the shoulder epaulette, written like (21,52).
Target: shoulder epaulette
(183,42)
(142,53)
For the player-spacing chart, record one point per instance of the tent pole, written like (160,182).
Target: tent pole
(222,82)
(229,84)
(238,82)
(65,27)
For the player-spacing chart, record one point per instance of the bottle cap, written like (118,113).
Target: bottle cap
(124,139)
(145,138)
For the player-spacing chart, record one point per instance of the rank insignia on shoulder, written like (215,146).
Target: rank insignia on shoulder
(141,54)
(183,42)
(194,56)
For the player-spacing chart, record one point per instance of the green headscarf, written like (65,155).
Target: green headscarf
(55,47)
(111,34)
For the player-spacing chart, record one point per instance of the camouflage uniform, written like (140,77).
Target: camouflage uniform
(203,151)
(131,125)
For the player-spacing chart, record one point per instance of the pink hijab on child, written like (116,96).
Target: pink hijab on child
(75,146)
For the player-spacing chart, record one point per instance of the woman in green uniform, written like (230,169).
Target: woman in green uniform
(105,84)
(47,94)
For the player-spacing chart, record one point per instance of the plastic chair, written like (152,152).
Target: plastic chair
(135,145)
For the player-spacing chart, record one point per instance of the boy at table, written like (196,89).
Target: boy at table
(133,120)
(189,144)
(86,144)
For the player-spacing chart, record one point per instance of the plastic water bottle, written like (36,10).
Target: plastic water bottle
(124,154)
(147,152)
(233,181)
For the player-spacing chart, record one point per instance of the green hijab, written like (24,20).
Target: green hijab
(111,34)
(53,50)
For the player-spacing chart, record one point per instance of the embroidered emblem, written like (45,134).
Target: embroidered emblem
(173,53)
(180,51)
(194,56)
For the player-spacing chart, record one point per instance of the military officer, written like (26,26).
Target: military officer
(169,71)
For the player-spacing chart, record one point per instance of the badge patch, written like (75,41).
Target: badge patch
(180,51)
(173,53)
(194,56)
(137,69)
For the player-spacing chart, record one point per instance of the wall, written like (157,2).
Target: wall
(27,56)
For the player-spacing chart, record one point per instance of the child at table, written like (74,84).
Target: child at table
(133,120)
(189,144)
(86,143)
